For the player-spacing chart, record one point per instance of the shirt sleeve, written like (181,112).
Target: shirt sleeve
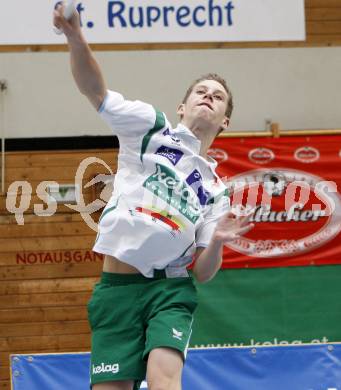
(129,118)
(214,211)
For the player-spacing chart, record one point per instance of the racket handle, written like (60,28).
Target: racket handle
(69,9)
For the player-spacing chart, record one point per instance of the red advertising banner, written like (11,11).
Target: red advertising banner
(290,185)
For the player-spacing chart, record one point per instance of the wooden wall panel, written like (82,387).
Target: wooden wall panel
(322,3)
(47,268)
(46,286)
(45,230)
(45,328)
(39,344)
(323,14)
(55,271)
(46,300)
(323,20)
(35,167)
(48,314)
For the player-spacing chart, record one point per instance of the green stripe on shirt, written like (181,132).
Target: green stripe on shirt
(105,212)
(217,198)
(159,124)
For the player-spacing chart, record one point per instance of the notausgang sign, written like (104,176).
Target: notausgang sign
(135,21)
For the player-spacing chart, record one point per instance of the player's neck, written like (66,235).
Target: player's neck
(205,136)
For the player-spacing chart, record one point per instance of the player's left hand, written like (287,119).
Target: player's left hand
(232,226)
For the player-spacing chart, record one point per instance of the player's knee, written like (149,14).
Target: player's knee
(164,369)
(115,385)
(162,382)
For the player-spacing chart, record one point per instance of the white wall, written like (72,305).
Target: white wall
(299,88)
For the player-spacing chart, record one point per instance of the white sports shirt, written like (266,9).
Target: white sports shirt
(166,200)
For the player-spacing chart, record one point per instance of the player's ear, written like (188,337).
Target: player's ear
(181,109)
(225,123)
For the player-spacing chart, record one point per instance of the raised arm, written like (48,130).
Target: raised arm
(85,69)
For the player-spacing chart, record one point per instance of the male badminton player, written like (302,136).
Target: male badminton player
(168,206)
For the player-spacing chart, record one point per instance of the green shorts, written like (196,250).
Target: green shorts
(130,315)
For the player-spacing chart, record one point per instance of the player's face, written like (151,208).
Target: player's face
(207,104)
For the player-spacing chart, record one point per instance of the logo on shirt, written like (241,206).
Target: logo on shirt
(165,184)
(162,216)
(173,155)
(173,137)
(195,181)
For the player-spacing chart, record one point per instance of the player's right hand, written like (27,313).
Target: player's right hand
(69,27)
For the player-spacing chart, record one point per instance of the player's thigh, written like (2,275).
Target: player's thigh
(114,385)
(164,366)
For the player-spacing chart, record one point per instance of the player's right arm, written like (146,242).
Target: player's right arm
(85,69)
(128,119)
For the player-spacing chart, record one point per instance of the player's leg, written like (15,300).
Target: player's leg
(117,385)
(117,337)
(169,325)
(164,369)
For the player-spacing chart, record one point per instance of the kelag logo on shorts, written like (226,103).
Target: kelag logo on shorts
(165,184)
(173,155)
(102,368)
